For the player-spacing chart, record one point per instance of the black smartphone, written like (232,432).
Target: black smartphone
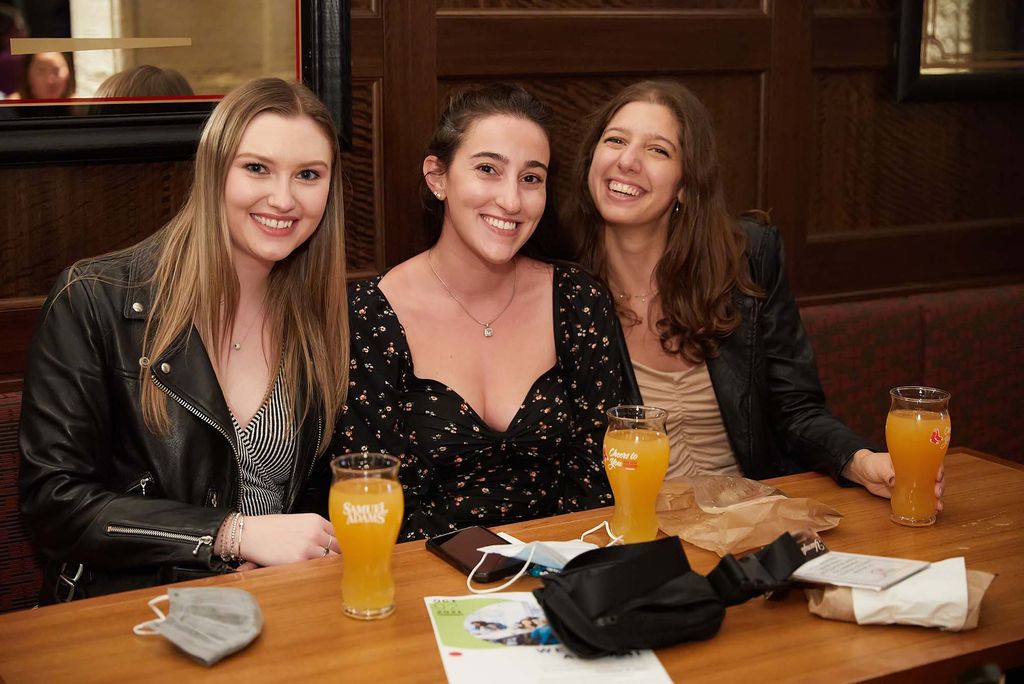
(459,549)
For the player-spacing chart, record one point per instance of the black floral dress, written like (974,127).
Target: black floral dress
(458,471)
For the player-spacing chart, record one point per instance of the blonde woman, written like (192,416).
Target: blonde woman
(179,392)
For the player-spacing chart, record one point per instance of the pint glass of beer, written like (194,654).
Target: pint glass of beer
(366,510)
(635,458)
(917,435)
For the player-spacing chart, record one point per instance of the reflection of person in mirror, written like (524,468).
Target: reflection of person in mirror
(179,392)
(12,25)
(144,80)
(46,76)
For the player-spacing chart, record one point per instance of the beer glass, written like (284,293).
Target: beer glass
(635,458)
(366,508)
(917,435)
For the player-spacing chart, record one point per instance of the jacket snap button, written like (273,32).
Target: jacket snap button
(144,361)
(165,367)
(137,308)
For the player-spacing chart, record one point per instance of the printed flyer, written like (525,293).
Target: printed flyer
(505,637)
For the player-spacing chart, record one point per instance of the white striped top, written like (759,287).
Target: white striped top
(266,453)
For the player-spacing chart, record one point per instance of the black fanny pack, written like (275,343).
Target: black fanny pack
(620,598)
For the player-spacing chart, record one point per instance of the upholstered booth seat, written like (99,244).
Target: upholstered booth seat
(970,342)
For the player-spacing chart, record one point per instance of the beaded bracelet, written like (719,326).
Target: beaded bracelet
(229,552)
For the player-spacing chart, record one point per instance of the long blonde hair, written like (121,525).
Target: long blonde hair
(194,281)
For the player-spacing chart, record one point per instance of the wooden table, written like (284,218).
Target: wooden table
(305,637)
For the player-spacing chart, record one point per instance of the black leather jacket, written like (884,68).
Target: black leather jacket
(766,379)
(104,498)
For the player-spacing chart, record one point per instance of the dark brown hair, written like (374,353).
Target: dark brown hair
(704,260)
(25,89)
(465,107)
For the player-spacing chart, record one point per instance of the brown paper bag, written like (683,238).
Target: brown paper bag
(836,603)
(733,514)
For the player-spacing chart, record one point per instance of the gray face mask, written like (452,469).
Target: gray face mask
(207,623)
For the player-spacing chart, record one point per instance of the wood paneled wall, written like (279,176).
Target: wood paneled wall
(872,196)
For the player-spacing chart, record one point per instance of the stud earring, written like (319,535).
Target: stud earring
(439,195)
(675,209)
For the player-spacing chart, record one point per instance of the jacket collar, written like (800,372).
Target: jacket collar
(184,371)
(187,373)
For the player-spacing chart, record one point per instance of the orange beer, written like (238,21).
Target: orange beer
(366,512)
(917,433)
(635,459)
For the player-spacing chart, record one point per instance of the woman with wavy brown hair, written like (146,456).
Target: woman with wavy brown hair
(712,328)
(180,392)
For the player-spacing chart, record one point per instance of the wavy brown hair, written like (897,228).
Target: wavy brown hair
(194,281)
(704,260)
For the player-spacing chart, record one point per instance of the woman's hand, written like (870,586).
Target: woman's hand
(873,470)
(278,539)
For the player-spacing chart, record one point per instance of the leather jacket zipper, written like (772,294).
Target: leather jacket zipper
(316,451)
(212,423)
(199,540)
(141,485)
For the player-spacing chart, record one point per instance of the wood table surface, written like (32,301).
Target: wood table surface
(306,638)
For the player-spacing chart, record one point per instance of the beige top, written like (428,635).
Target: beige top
(698,443)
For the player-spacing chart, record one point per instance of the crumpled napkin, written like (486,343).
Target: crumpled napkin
(944,595)
(728,514)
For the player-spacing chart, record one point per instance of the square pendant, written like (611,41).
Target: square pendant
(488,331)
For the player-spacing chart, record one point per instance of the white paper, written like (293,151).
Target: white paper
(934,597)
(857,570)
(504,638)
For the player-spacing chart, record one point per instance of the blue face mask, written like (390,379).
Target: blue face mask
(553,555)
(207,623)
(550,554)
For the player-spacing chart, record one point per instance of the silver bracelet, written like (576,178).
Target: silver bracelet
(226,553)
(241,528)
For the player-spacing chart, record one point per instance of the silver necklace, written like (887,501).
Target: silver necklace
(488,330)
(238,344)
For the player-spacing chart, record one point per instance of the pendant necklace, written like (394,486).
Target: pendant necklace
(488,330)
(237,345)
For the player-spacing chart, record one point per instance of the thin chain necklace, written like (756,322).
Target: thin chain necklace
(642,297)
(237,345)
(488,330)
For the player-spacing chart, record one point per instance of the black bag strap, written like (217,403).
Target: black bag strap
(737,580)
(645,595)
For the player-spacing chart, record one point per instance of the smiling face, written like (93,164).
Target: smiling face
(277,188)
(494,188)
(636,172)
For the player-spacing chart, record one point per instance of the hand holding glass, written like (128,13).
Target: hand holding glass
(635,458)
(366,507)
(917,435)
